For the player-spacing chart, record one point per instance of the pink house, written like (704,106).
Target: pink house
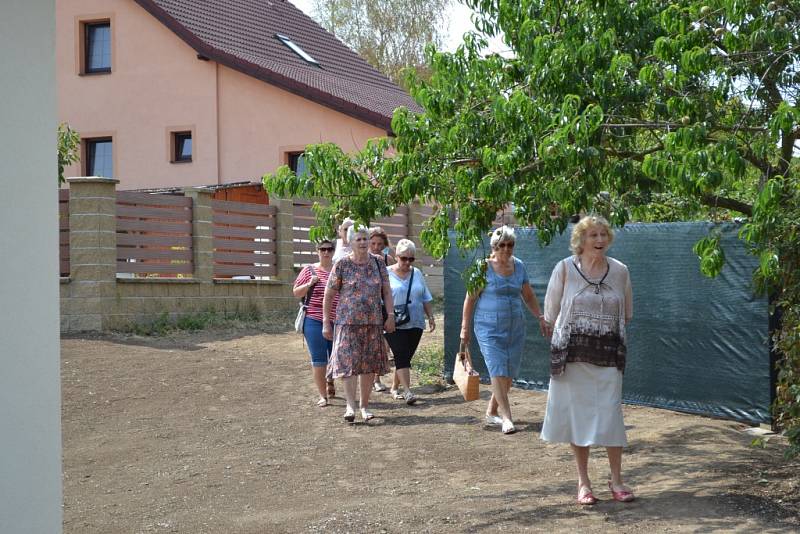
(172,93)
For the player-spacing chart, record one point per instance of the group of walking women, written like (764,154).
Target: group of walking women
(587,307)
(357,294)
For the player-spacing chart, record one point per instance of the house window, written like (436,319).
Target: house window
(296,49)
(99,157)
(97,47)
(181,147)
(297,163)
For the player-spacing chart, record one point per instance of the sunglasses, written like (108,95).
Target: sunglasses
(505,245)
(405,258)
(325,249)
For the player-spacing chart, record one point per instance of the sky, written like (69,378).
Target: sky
(457,20)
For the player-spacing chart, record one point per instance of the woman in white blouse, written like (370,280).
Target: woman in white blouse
(587,307)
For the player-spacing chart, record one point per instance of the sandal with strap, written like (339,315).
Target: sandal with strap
(349,415)
(623,495)
(322,402)
(585,496)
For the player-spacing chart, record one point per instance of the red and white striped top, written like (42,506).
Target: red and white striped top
(317,292)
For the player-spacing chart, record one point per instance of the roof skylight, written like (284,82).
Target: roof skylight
(296,49)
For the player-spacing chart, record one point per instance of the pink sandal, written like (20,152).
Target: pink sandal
(621,495)
(586,497)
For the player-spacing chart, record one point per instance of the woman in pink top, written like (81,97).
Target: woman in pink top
(313,279)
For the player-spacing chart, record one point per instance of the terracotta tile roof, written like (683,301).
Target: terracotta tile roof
(241,34)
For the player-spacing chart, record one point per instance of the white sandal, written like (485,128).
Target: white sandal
(508,427)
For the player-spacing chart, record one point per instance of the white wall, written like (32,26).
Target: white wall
(30,428)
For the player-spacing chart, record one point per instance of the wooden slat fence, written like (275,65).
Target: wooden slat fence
(244,237)
(396,226)
(154,234)
(305,252)
(304,249)
(424,259)
(63,232)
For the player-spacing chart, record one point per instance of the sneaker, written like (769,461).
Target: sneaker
(494,420)
(396,395)
(378,386)
(409,397)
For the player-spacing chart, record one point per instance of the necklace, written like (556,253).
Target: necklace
(595,284)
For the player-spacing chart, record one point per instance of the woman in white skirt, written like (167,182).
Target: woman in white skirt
(586,308)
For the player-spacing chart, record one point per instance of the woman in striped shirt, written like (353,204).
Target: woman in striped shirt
(314,278)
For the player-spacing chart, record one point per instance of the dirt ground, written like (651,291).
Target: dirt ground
(217,432)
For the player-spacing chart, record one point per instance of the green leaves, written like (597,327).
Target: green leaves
(710,254)
(69,145)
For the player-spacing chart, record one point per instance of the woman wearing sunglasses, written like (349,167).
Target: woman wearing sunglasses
(500,322)
(408,287)
(313,279)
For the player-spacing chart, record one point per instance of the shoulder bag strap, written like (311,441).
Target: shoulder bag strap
(307,298)
(411,281)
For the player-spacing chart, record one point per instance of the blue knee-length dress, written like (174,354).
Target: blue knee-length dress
(499,321)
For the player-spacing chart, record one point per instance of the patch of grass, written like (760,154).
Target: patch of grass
(428,362)
(246,317)
(159,326)
(197,321)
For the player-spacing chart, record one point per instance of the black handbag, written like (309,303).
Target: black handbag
(401,314)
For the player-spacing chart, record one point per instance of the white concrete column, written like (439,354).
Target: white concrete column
(30,387)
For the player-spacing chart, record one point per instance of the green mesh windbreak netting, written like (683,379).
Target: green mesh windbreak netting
(695,344)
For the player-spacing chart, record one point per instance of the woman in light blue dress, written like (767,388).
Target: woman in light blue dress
(499,322)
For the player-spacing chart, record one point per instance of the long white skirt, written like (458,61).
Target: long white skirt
(584,407)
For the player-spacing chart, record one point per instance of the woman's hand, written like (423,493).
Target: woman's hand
(327,330)
(388,326)
(465,335)
(545,327)
(431,324)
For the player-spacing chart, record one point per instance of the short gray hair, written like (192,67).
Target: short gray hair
(357,229)
(405,245)
(504,233)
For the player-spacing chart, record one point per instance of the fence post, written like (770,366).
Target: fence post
(92,252)
(202,233)
(285,234)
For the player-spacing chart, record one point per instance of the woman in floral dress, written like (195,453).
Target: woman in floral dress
(360,280)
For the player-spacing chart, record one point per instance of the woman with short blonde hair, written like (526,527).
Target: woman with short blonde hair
(587,308)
